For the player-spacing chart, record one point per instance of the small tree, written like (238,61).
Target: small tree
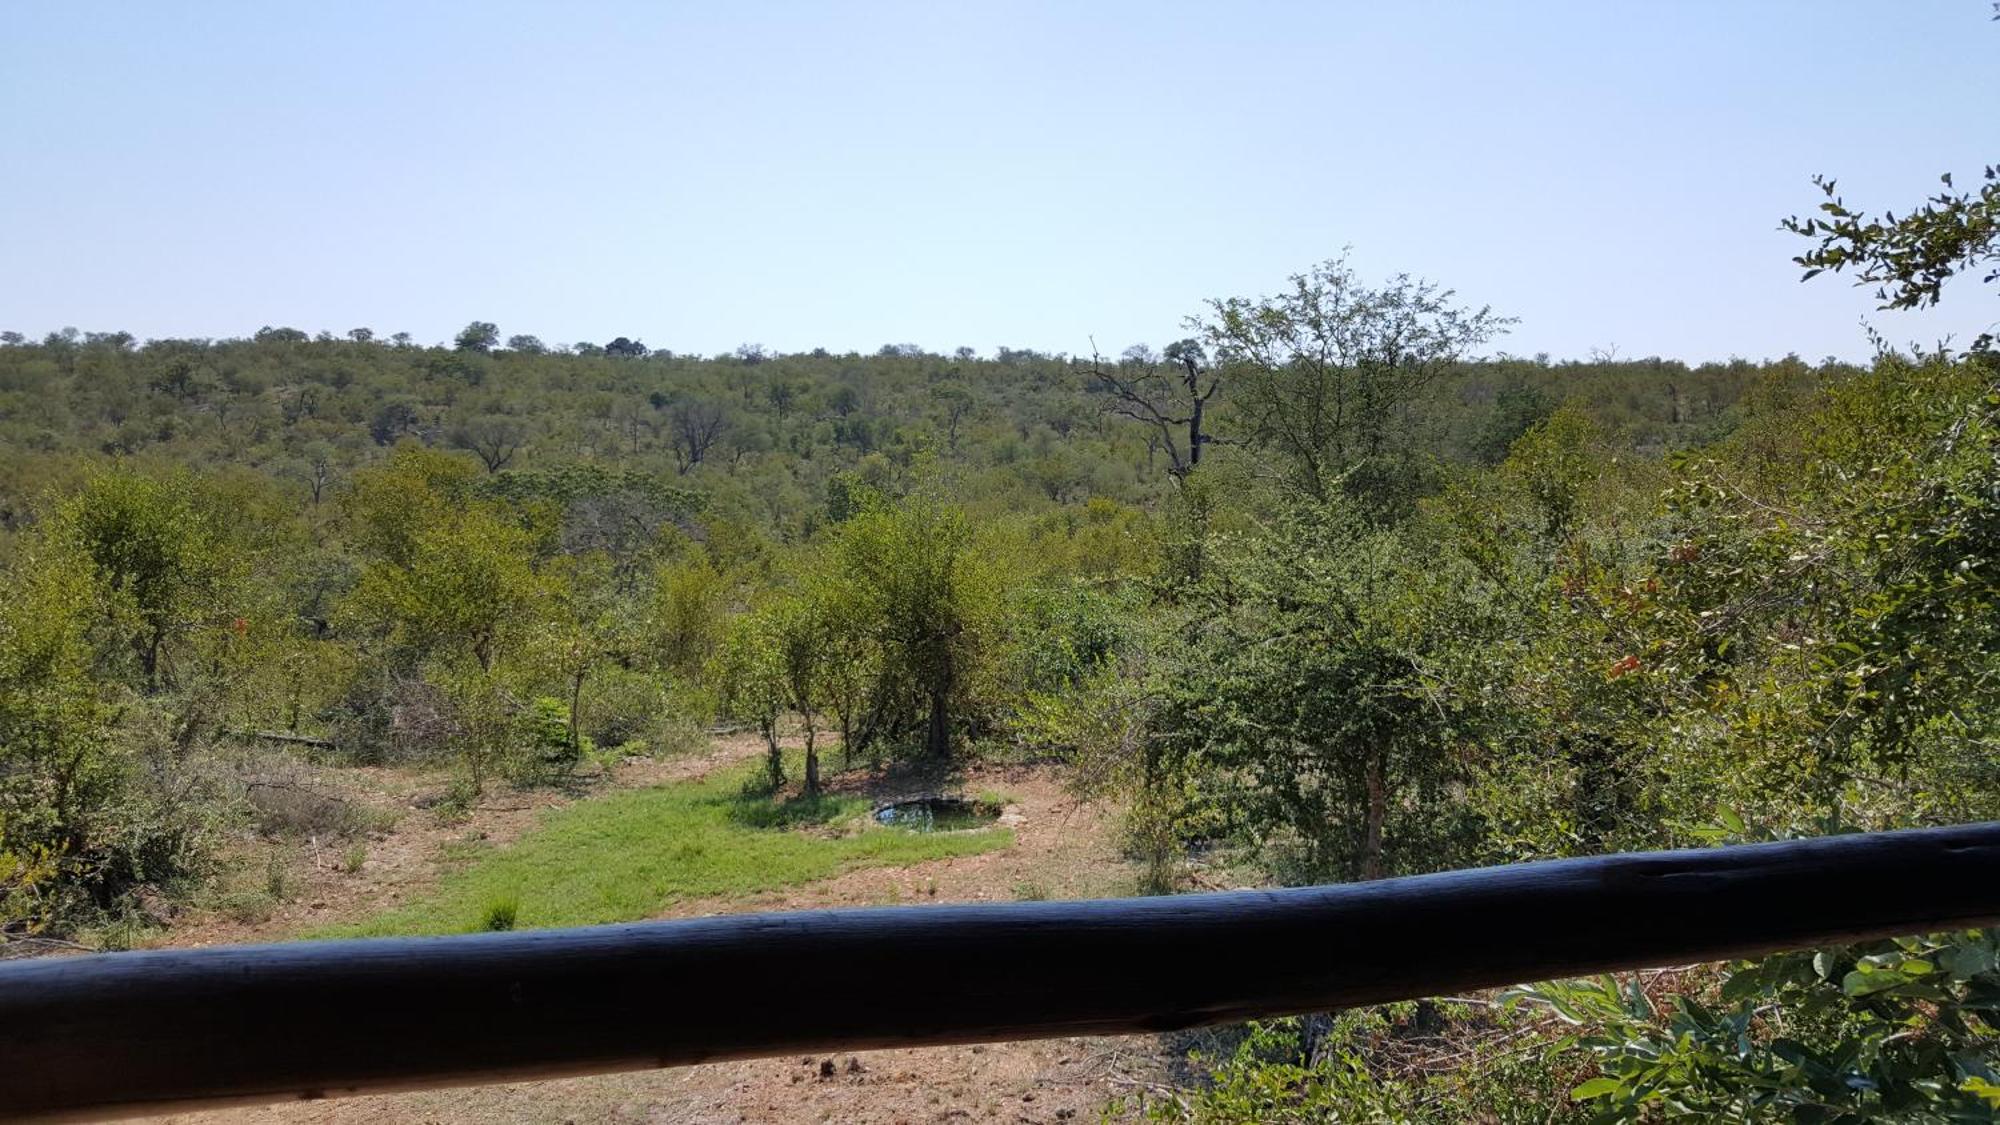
(687,619)
(751,682)
(583,631)
(1298,699)
(1328,372)
(156,552)
(853,667)
(915,575)
(799,639)
(696,427)
(393,503)
(57,769)
(479,336)
(446,575)
(493,438)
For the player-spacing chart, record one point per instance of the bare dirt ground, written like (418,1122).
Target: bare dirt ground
(1062,849)
(406,860)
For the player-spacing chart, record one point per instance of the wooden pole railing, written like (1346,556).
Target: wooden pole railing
(122,1033)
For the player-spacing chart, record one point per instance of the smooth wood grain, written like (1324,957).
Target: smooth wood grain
(125,1032)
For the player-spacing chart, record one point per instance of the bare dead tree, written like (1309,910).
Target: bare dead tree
(1165,393)
(493,438)
(955,404)
(696,428)
(319,468)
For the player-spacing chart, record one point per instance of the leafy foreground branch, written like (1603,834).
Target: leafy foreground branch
(1892,1031)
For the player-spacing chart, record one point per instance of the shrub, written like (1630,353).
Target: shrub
(277,878)
(1899,1030)
(549,749)
(286,799)
(644,715)
(622,706)
(247,907)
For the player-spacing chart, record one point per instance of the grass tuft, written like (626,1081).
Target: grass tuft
(501,914)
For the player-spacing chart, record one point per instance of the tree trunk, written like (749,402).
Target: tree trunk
(1198,403)
(1195,436)
(149,657)
(937,734)
(774,763)
(1378,812)
(869,727)
(575,705)
(812,759)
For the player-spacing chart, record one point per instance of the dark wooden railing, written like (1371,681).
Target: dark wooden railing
(122,1033)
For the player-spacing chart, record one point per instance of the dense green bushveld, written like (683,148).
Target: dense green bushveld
(509,558)
(1786,628)
(1313,591)
(1786,631)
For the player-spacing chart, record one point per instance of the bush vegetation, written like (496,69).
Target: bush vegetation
(1317,589)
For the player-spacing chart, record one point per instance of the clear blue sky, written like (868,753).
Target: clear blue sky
(1029,174)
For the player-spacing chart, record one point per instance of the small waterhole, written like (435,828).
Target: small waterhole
(936,814)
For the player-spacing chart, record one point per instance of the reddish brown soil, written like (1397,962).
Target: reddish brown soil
(1062,849)
(406,860)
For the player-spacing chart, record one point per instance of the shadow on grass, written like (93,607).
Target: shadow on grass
(757,804)
(760,810)
(905,774)
(853,789)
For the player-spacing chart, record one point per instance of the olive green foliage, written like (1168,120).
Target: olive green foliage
(687,614)
(929,598)
(1328,377)
(1297,690)
(1900,1030)
(1907,259)
(1786,630)
(60,769)
(1893,1031)
(1409,609)
(890,625)
(117,649)
(1436,1062)
(157,557)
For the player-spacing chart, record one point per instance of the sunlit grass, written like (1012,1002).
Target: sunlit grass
(629,855)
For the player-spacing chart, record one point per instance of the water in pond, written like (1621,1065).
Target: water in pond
(935,814)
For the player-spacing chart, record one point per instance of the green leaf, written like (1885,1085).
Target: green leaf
(1596,1088)
(1967,959)
(1867,982)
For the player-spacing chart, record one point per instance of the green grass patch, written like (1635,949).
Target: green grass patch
(628,855)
